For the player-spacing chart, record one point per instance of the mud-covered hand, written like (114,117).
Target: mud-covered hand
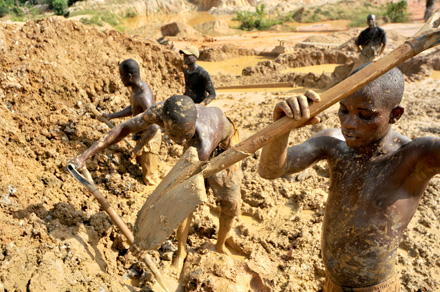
(106,116)
(297,107)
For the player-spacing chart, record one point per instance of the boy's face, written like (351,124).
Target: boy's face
(180,134)
(364,120)
(189,59)
(371,21)
(125,77)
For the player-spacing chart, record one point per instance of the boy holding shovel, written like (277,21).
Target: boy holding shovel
(141,98)
(377,178)
(198,84)
(191,125)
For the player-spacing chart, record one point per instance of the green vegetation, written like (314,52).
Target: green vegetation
(27,10)
(355,11)
(397,12)
(100,17)
(59,7)
(257,20)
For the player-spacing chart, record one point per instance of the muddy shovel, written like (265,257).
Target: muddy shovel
(181,190)
(87,181)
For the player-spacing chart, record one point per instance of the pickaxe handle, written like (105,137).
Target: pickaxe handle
(427,37)
(88,183)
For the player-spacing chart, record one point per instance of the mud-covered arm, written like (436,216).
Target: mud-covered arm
(126,112)
(188,91)
(278,160)
(146,137)
(383,42)
(136,124)
(357,42)
(209,87)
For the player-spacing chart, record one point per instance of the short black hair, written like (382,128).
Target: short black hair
(130,66)
(390,86)
(180,109)
(371,16)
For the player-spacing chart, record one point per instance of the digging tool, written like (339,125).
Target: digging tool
(87,181)
(150,233)
(91,108)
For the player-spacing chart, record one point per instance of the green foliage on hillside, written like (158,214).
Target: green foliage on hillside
(355,11)
(257,20)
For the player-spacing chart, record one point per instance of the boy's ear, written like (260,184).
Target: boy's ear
(396,113)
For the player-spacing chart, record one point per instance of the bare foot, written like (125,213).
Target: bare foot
(221,248)
(179,261)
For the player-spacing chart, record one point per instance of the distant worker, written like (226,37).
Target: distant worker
(198,84)
(371,42)
(149,140)
(429,9)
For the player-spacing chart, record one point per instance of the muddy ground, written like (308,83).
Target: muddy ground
(55,237)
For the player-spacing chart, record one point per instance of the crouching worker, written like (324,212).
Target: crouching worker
(141,98)
(377,177)
(205,128)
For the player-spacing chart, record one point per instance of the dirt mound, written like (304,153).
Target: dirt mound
(214,28)
(339,37)
(180,30)
(141,7)
(277,70)
(223,53)
(50,69)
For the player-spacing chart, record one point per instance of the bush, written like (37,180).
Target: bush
(4,9)
(59,7)
(130,14)
(256,20)
(397,12)
(95,20)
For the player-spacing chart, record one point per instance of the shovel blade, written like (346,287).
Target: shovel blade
(174,199)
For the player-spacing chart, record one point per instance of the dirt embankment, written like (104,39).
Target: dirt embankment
(50,70)
(314,51)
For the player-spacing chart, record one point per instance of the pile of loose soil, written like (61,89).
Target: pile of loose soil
(225,52)
(52,229)
(214,28)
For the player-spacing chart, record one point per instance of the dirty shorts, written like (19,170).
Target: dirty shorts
(368,54)
(226,183)
(149,159)
(391,285)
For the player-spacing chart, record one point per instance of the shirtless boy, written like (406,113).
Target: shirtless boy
(188,124)
(377,177)
(141,98)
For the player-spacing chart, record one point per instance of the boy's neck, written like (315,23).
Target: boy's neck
(135,85)
(192,67)
(385,145)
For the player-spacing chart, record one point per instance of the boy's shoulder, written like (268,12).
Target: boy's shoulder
(332,133)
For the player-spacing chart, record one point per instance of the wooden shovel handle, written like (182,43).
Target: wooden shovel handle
(426,38)
(90,185)
(103,202)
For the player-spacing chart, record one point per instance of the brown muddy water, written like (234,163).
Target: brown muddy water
(233,66)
